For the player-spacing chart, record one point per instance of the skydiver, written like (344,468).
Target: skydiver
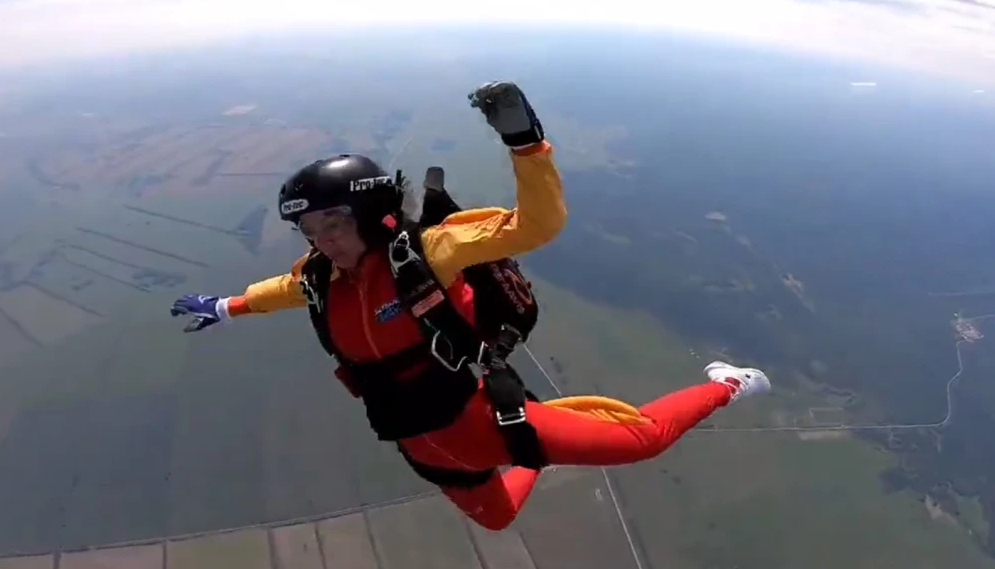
(450,423)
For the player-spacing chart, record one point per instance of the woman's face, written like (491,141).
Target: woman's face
(334,233)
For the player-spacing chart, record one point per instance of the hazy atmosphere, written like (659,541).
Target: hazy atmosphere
(801,186)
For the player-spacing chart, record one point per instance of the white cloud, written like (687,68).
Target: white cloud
(943,36)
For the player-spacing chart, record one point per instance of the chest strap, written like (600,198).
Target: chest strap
(456,345)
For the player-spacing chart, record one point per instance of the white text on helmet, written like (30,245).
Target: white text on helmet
(293,206)
(369,183)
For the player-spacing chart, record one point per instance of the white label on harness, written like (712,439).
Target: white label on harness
(368,183)
(293,206)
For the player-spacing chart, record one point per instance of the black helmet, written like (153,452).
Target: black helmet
(350,180)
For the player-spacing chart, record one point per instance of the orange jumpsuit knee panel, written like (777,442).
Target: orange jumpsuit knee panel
(578,440)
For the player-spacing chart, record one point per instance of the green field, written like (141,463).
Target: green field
(238,429)
(764,500)
(116,426)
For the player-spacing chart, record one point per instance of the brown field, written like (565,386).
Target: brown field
(229,138)
(424,534)
(58,285)
(123,161)
(102,162)
(35,562)
(42,318)
(74,166)
(245,140)
(185,184)
(139,557)
(557,528)
(501,550)
(346,543)
(274,150)
(162,157)
(188,154)
(116,269)
(573,524)
(244,549)
(296,547)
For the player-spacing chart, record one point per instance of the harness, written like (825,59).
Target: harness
(434,396)
(458,345)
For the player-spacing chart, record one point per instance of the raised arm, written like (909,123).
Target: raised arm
(486,234)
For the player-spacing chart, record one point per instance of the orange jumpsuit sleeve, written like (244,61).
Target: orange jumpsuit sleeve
(480,235)
(275,293)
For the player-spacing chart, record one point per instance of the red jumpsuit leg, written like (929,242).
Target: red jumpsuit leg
(569,439)
(495,504)
(474,443)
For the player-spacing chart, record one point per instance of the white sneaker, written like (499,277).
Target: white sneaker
(743,381)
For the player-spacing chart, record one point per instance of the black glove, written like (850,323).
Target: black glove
(508,112)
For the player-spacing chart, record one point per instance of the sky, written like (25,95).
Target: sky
(955,38)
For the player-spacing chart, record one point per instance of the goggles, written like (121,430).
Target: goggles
(329,223)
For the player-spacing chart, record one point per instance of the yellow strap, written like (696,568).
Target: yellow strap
(602,408)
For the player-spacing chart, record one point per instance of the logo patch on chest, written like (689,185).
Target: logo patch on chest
(388,311)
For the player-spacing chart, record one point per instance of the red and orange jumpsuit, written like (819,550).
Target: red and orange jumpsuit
(363,334)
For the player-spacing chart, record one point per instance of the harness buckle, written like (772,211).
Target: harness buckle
(400,252)
(511,418)
(446,362)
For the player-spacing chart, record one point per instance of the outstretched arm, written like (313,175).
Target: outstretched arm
(487,234)
(272,294)
(275,293)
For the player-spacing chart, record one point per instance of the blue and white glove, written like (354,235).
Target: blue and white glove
(206,310)
(508,112)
